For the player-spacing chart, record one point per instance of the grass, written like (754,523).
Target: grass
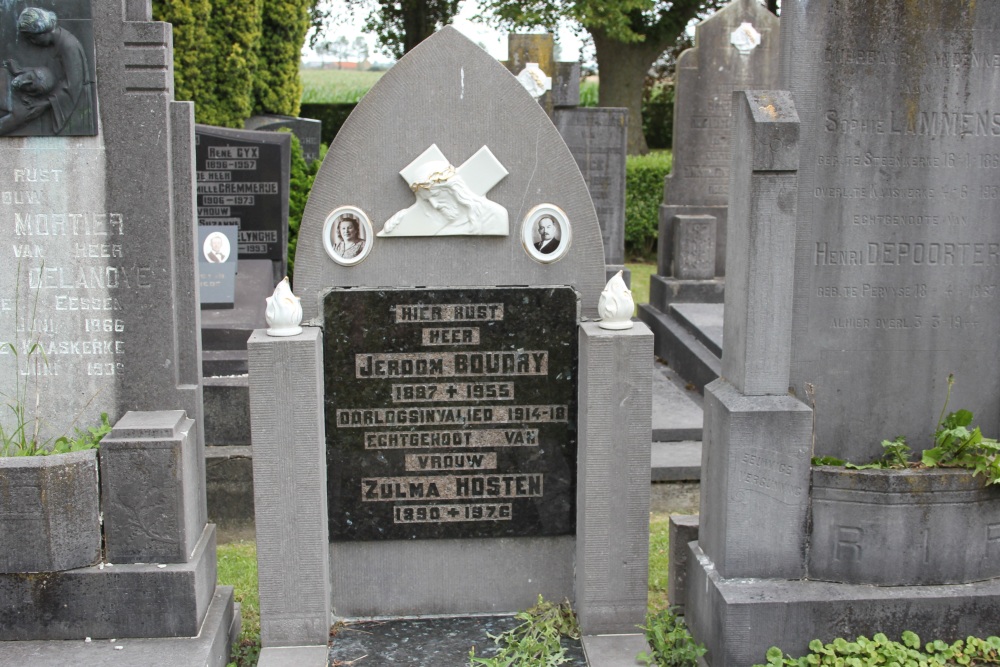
(238,568)
(333,86)
(659,559)
(640,281)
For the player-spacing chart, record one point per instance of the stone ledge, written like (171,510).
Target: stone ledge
(210,648)
(141,600)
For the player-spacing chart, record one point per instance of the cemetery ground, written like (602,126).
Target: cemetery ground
(237,557)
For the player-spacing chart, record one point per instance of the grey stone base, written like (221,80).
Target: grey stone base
(227,409)
(684,353)
(454,577)
(115,601)
(294,656)
(739,619)
(229,484)
(210,648)
(664,291)
(613,650)
(683,530)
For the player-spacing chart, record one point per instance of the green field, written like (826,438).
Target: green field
(333,86)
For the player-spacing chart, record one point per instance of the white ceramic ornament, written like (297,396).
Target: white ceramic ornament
(451,201)
(283,312)
(534,80)
(745,38)
(616,304)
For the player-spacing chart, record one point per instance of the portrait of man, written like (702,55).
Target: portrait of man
(349,241)
(49,80)
(548,235)
(217,248)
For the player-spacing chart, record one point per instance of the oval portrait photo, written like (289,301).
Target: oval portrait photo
(217,248)
(348,235)
(546,233)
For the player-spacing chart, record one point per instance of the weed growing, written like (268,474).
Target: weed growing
(955,446)
(670,642)
(537,641)
(880,650)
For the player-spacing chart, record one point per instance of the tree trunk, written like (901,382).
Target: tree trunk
(622,69)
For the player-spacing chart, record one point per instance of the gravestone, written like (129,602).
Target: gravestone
(102,277)
(308,130)
(443,440)
(734,49)
(894,258)
(597,138)
(243,180)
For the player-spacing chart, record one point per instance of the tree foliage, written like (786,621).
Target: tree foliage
(277,87)
(233,58)
(629,35)
(401,25)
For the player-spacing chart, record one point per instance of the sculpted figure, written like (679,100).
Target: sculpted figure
(53,96)
(450,201)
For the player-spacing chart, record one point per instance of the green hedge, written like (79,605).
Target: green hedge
(234,58)
(277,87)
(644,176)
(302,176)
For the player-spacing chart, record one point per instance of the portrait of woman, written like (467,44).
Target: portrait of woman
(347,235)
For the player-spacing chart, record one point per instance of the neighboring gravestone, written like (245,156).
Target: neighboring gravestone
(598,140)
(897,259)
(537,48)
(100,269)
(102,277)
(243,180)
(895,263)
(468,461)
(309,131)
(734,49)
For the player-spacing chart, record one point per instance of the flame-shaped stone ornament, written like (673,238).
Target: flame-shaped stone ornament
(284,311)
(616,304)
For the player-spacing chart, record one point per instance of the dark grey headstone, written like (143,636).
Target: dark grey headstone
(459,111)
(48,89)
(102,270)
(243,180)
(566,85)
(897,255)
(308,130)
(450,413)
(598,139)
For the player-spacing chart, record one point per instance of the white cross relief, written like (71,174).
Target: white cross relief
(450,201)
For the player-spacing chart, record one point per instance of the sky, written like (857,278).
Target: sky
(494,40)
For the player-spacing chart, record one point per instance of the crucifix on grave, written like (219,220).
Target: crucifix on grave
(451,201)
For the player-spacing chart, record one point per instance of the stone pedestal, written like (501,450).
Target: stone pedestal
(289,467)
(612,552)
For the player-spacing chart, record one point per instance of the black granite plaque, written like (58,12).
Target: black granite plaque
(48,73)
(450,412)
(243,180)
